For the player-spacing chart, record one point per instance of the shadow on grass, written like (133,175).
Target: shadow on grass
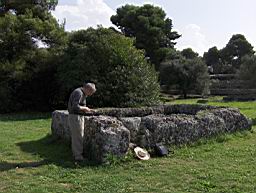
(24,116)
(254,121)
(51,151)
(4,166)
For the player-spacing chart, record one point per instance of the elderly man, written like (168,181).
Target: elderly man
(76,108)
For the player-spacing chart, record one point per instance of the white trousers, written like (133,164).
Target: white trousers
(76,125)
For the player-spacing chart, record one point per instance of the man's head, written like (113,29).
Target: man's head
(89,89)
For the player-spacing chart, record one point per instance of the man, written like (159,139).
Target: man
(76,108)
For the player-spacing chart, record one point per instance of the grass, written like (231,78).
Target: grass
(31,162)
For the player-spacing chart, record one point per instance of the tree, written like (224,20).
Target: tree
(248,70)
(212,57)
(19,7)
(213,60)
(228,59)
(188,53)
(186,74)
(19,34)
(150,27)
(236,48)
(120,71)
(22,60)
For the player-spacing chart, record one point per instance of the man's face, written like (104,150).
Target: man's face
(88,91)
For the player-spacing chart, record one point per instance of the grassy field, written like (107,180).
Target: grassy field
(31,162)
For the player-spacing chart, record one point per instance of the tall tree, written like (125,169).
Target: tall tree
(229,59)
(19,6)
(236,48)
(189,53)
(21,58)
(213,60)
(150,27)
(212,57)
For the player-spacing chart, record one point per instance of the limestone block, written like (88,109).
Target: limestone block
(105,136)
(110,131)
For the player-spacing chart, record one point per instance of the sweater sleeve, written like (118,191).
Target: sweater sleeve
(76,102)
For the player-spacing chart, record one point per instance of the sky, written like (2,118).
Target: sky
(202,23)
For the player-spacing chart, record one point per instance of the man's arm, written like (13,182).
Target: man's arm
(86,109)
(77,107)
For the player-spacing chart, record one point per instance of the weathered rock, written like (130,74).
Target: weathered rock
(105,136)
(130,112)
(178,128)
(59,127)
(133,125)
(110,131)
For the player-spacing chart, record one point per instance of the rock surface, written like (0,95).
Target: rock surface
(110,131)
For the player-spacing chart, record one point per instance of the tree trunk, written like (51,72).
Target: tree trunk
(184,94)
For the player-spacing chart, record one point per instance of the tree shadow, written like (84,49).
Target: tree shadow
(52,151)
(253,121)
(4,166)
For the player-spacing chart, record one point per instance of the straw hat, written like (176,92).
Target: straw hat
(141,153)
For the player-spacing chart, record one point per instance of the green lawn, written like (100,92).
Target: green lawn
(31,162)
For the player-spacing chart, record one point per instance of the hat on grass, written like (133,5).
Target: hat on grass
(141,153)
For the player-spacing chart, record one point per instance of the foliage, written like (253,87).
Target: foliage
(23,63)
(186,74)
(37,87)
(149,25)
(120,71)
(212,57)
(228,59)
(248,70)
(19,7)
(236,48)
(188,53)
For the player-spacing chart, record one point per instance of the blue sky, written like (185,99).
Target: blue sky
(202,23)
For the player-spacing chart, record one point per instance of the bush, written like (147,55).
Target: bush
(223,68)
(29,84)
(248,70)
(6,98)
(37,86)
(186,74)
(9,73)
(120,71)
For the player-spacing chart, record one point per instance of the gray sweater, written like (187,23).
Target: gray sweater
(76,99)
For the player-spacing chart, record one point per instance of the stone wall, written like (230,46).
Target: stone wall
(110,131)
(231,87)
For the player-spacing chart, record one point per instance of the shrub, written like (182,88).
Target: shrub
(36,89)
(248,70)
(122,75)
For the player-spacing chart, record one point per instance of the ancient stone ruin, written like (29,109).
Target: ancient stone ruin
(231,87)
(110,131)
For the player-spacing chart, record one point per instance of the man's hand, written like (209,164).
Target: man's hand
(86,109)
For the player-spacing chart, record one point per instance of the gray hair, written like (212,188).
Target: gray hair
(90,86)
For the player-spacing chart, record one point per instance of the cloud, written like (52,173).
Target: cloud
(192,37)
(83,14)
